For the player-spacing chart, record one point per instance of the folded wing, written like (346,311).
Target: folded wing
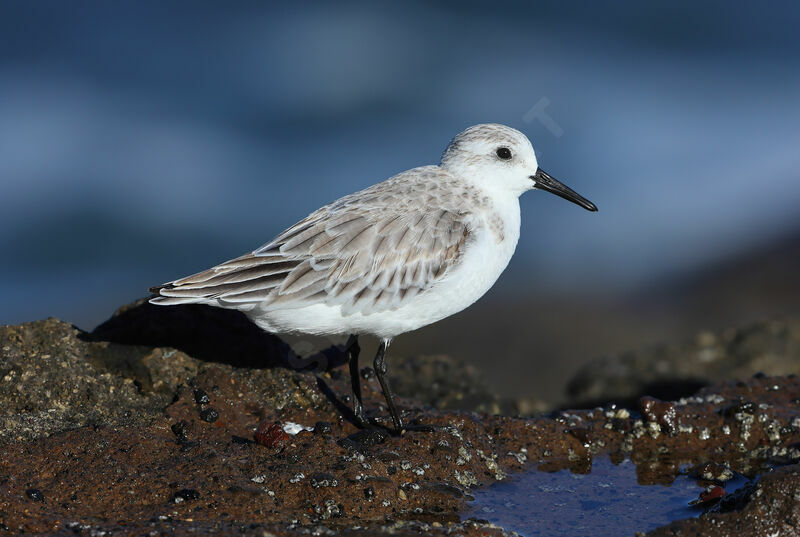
(370,251)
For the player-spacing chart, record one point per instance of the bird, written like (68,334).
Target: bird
(399,255)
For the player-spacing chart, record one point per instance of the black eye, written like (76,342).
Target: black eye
(504,153)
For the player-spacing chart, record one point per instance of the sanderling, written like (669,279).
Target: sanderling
(399,255)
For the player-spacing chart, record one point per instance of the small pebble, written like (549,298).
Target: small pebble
(201,397)
(711,471)
(369,493)
(209,414)
(184,495)
(181,429)
(271,434)
(711,495)
(323,427)
(369,437)
(788,429)
(367,373)
(622,414)
(320,480)
(35,495)
(742,407)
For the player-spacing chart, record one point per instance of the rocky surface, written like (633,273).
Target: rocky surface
(106,433)
(770,506)
(673,370)
(51,380)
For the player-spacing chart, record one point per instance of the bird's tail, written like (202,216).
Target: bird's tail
(163,297)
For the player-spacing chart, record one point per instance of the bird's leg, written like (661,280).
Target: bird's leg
(380,371)
(353,350)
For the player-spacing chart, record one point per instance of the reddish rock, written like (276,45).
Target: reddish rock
(711,495)
(271,435)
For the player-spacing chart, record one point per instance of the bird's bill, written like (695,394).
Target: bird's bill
(545,182)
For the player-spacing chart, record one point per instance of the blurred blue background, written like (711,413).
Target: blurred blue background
(142,141)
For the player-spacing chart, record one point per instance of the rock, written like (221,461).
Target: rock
(768,507)
(35,495)
(201,397)
(109,437)
(52,379)
(209,415)
(661,412)
(323,427)
(55,377)
(452,384)
(673,371)
(271,435)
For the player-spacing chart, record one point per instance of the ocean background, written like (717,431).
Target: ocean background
(143,141)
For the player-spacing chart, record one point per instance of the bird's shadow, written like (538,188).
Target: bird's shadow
(209,334)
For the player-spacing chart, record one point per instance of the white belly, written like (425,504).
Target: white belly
(482,263)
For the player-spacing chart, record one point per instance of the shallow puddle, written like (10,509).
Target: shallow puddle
(606,501)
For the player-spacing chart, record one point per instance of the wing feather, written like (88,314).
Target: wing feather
(370,251)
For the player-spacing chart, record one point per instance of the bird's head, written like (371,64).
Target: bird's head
(502,158)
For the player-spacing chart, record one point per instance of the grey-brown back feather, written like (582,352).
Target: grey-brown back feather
(372,250)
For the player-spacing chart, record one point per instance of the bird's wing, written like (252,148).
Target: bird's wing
(370,251)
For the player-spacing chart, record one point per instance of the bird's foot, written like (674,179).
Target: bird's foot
(401,428)
(361,420)
(421,428)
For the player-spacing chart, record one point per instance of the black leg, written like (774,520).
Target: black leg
(380,371)
(353,350)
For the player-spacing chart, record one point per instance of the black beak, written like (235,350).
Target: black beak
(545,182)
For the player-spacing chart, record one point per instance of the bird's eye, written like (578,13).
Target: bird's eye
(504,153)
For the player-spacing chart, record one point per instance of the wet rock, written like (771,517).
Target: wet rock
(118,470)
(447,489)
(419,476)
(767,507)
(661,412)
(35,495)
(323,427)
(181,430)
(583,434)
(712,471)
(365,439)
(709,497)
(185,495)
(201,397)
(321,479)
(671,371)
(52,380)
(741,407)
(209,415)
